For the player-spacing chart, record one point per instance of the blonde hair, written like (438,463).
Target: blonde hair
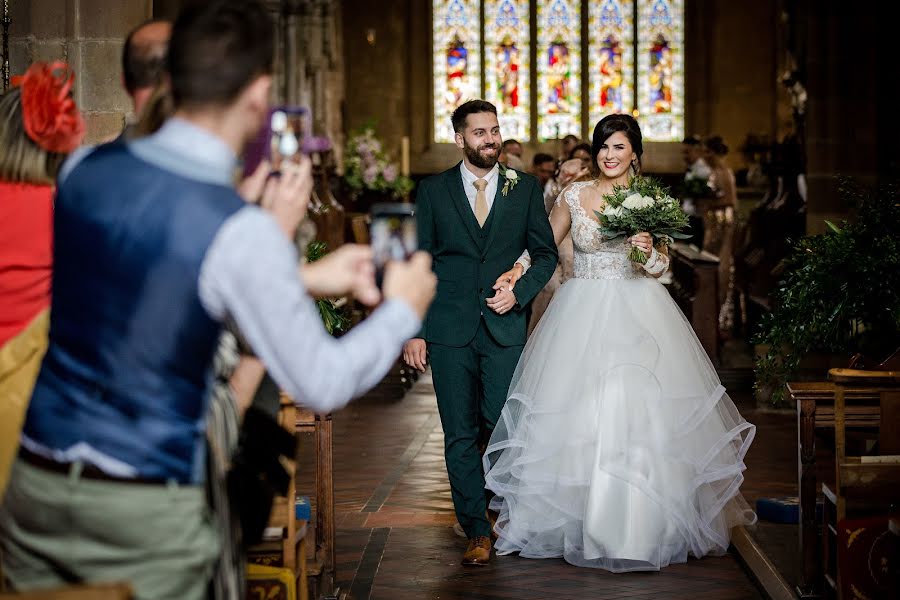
(21,159)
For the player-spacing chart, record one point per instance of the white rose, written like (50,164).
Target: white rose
(632,202)
(613,211)
(647,201)
(511,175)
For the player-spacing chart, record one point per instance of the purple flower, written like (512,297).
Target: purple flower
(370,175)
(390,173)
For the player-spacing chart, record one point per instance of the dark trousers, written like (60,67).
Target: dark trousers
(471,384)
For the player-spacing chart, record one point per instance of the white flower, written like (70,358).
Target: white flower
(636,202)
(613,211)
(632,202)
(511,175)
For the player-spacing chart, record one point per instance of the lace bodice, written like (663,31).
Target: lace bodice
(595,256)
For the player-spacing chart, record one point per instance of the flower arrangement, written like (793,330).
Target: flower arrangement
(643,205)
(368,168)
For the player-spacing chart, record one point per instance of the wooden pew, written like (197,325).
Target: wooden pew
(867,481)
(111,591)
(285,545)
(695,288)
(322,566)
(815,412)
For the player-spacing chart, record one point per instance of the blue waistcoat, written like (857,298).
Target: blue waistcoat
(131,346)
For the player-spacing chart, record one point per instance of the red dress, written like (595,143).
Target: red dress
(26,254)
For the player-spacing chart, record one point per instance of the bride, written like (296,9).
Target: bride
(618,447)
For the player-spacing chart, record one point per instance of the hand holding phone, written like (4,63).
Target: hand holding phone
(392,235)
(282,139)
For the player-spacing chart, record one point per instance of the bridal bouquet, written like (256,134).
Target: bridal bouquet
(643,205)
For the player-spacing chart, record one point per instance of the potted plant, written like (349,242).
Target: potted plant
(840,293)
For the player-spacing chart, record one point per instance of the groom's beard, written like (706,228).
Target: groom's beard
(482,161)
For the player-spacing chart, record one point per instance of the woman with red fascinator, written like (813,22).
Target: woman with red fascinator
(39,126)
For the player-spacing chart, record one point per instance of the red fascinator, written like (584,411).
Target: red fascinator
(51,118)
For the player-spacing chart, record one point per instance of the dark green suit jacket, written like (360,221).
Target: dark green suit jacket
(468,259)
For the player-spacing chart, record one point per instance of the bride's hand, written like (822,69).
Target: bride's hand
(642,240)
(508,280)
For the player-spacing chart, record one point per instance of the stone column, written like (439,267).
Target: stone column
(88,34)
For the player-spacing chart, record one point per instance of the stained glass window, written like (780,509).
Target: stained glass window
(635,62)
(457,60)
(559,68)
(661,69)
(610,58)
(507,68)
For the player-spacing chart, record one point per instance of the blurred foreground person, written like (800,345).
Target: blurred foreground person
(153,249)
(39,126)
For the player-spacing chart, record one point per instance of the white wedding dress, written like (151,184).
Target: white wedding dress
(618,447)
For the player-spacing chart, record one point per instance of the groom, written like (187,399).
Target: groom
(476,219)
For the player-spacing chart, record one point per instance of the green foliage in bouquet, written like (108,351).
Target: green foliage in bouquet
(333,317)
(840,293)
(643,205)
(366,166)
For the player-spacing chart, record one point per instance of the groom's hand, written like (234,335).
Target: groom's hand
(414,354)
(502,302)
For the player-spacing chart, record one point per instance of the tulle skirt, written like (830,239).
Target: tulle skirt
(618,447)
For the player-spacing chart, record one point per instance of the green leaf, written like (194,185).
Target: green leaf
(832,226)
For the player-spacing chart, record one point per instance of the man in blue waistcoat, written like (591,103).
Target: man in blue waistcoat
(152,250)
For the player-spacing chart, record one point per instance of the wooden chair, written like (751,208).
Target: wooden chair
(107,591)
(815,415)
(869,483)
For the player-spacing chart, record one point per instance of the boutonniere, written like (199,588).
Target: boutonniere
(511,177)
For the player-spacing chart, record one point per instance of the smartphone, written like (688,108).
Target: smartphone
(283,136)
(392,235)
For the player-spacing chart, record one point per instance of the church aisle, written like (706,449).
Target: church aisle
(394,525)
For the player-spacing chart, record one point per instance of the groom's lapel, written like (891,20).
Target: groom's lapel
(498,209)
(454,183)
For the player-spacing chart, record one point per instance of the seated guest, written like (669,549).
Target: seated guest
(543,167)
(567,144)
(40,125)
(511,154)
(582,151)
(153,250)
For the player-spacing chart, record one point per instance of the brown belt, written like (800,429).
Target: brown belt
(88,471)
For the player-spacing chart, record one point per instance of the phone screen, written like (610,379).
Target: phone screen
(392,234)
(281,139)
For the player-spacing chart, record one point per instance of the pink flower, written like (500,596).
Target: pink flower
(370,175)
(390,173)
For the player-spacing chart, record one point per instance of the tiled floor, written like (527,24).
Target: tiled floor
(395,517)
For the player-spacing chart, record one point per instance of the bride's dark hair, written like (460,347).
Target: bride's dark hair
(610,124)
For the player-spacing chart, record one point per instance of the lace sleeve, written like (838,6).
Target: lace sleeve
(657,263)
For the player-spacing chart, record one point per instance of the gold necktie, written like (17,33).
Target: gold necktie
(481,207)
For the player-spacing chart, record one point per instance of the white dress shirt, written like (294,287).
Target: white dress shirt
(468,178)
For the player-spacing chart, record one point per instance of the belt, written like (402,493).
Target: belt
(88,471)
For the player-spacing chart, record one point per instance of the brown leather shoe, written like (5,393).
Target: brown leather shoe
(478,554)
